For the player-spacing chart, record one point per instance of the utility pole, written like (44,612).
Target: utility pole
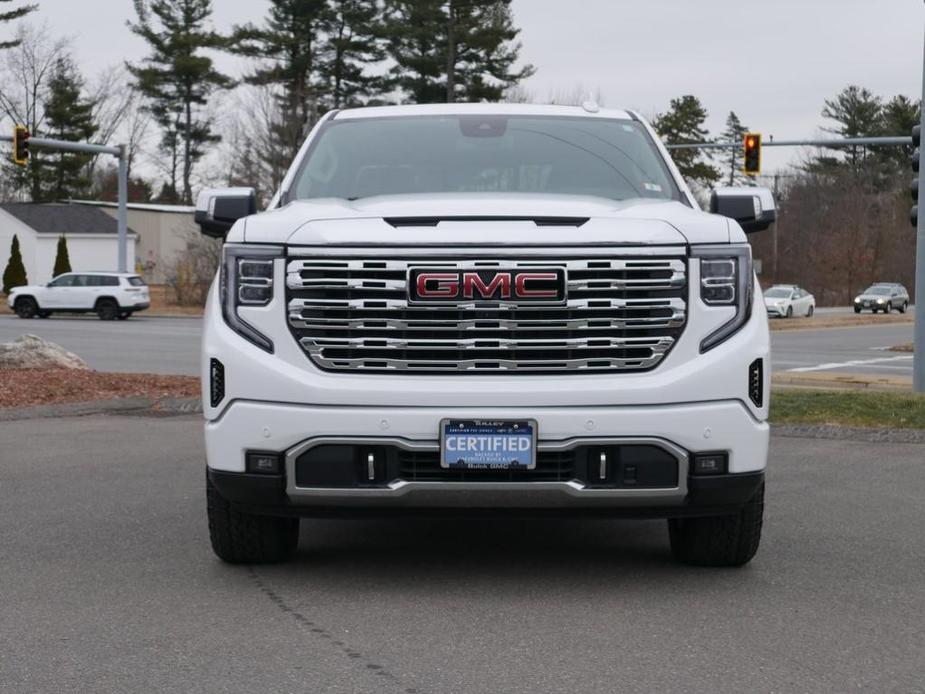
(121,153)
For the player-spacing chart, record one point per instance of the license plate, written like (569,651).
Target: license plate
(474,444)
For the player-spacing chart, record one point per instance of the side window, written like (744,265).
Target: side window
(81,280)
(64,281)
(92,281)
(109,281)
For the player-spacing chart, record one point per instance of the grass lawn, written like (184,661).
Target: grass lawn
(848,408)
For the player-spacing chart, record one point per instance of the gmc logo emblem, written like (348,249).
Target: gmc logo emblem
(539,285)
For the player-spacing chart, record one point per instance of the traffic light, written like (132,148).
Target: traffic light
(914,188)
(752,154)
(21,145)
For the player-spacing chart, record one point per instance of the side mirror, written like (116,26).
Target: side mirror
(752,208)
(217,210)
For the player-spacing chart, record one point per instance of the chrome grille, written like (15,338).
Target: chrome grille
(622,313)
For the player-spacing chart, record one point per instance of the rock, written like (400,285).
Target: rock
(32,352)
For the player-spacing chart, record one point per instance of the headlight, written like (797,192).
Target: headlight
(879,301)
(726,279)
(857,299)
(247,280)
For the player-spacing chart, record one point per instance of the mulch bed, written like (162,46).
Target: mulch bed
(30,387)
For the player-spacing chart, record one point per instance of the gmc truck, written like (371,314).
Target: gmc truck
(484,308)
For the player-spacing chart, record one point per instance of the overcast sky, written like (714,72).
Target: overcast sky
(772,62)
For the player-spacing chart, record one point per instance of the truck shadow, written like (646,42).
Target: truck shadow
(458,550)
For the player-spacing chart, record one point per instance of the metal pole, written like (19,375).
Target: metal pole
(123,210)
(918,356)
(842,142)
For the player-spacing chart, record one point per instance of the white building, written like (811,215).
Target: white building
(92,237)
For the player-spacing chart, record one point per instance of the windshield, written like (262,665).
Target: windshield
(878,291)
(609,158)
(778,293)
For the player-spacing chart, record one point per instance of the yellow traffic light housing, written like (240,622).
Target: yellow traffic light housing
(752,154)
(21,145)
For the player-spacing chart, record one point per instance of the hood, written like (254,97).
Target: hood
(485,220)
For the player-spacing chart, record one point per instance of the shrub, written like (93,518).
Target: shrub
(15,273)
(62,259)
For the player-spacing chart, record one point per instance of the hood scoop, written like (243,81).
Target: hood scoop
(399,222)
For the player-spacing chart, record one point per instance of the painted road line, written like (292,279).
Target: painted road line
(843,364)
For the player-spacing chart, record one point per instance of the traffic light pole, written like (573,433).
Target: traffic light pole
(918,355)
(119,153)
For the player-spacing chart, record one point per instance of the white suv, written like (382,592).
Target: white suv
(111,295)
(485,308)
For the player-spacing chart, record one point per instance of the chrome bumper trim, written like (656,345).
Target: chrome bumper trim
(486,494)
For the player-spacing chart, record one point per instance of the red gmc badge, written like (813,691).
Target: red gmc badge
(520,285)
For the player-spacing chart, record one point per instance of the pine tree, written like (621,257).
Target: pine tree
(416,31)
(480,42)
(351,43)
(735,132)
(461,50)
(178,79)
(289,48)
(856,112)
(9,16)
(898,116)
(15,273)
(683,123)
(68,116)
(62,258)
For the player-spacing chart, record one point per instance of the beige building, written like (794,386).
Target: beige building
(163,233)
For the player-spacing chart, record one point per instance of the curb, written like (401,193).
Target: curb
(135,406)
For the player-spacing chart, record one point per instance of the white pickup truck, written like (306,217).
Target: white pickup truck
(485,308)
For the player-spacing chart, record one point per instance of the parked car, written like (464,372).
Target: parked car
(110,295)
(882,296)
(477,307)
(788,300)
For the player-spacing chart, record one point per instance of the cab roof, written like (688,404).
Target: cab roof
(479,109)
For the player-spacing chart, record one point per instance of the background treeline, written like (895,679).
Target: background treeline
(174,107)
(843,213)
(843,217)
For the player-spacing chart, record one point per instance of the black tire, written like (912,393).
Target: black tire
(811,311)
(44,314)
(902,309)
(125,316)
(719,540)
(857,310)
(26,307)
(889,308)
(246,538)
(107,309)
(789,312)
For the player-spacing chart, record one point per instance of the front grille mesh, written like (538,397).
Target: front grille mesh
(353,314)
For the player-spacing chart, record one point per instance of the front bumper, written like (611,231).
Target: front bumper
(683,430)
(776,311)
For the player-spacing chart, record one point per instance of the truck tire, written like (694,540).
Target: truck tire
(719,540)
(246,538)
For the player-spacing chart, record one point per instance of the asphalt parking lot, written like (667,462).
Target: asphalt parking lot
(108,585)
(171,345)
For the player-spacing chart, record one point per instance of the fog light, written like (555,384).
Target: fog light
(710,464)
(263,463)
